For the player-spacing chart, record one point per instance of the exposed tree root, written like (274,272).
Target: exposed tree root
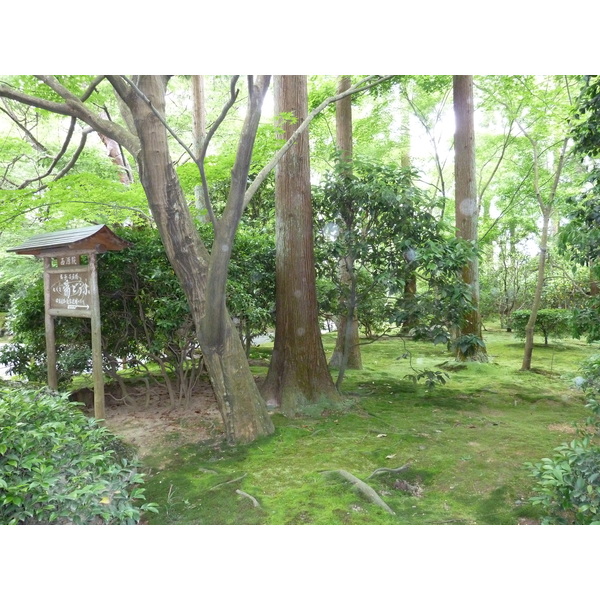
(386,470)
(227,482)
(211,471)
(362,487)
(252,498)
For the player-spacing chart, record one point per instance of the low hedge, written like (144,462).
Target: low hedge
(58,466)
(550,322)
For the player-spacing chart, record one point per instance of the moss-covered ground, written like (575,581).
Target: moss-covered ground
(466,443)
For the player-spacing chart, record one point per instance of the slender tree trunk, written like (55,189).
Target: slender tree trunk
(244,412)
(546,210)
(346,354)
(466,200)
(298,375)
(537,299)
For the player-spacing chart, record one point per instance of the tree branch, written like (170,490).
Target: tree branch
(32,139)
(75,156)
(56,158)
(233,94)
(74,107)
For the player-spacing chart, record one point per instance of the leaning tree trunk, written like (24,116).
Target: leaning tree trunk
(243,410)
(298,375)
(467,207)
(346,354)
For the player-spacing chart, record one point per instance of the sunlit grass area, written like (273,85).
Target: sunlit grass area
(463,445)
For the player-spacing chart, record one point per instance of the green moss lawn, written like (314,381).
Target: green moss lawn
(465,444)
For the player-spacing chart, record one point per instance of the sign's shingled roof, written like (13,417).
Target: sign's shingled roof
(84,238)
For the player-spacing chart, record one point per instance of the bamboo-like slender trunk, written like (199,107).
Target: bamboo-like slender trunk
(537,299)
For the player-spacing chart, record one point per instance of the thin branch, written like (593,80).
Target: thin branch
(233,95)
(75,156)
(92,87)
(32,139)
(506,143)
(56,158)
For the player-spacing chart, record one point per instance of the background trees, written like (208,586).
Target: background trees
(52,170)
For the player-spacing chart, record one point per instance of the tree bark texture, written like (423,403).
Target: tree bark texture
(347,344)
(298,375)
(244,412)
(467,206)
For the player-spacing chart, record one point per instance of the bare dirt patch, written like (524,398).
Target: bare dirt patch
(148,421)
(562,428)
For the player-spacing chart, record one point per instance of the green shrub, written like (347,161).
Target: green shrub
(6,291)
(59,467)
(554,322)
(568,484)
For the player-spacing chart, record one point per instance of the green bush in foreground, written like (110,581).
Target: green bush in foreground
(568,484)
(58,466)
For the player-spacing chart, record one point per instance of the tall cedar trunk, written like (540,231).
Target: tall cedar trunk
(347,348)
(244,412)
(467,208)
(298,375)
(537,299)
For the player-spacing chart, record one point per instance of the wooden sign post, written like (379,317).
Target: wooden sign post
(71,290)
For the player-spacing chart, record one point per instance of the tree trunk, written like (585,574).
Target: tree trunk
(467,208)
(346,354)
(244,412)
(298,375)
(537,299)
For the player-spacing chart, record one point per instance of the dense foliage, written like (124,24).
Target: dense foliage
(145,317)
(550,322)
(59,467)
(568,484)
(382,225)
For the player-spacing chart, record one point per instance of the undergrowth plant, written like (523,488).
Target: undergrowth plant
(59,467)
(568,484)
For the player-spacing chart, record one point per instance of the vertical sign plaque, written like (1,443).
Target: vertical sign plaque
(71,290)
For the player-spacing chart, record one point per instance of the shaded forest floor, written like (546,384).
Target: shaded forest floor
(465,443)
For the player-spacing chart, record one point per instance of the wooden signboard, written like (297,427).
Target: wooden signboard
(71,289)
